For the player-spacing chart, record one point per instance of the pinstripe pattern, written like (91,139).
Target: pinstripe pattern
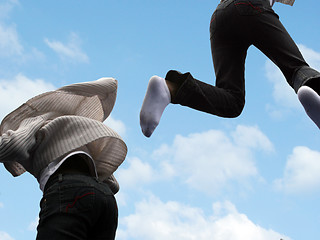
(53,124)
(288,2)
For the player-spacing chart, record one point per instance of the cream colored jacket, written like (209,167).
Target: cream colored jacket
(53,124)
(288,2)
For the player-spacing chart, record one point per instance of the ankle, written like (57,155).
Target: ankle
(314,84)
(173,88)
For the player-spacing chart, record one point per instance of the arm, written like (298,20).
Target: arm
(288,2)
(113,184)
(16,145)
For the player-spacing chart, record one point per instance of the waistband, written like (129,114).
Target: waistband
(225,3)
(74,165)
(221,1)
(78,180)
(67,176)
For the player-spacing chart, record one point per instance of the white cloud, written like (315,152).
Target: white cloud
(173,220)
(283,94)
(69,51)
(121,197)
(139,173)
(6,7)
(5,236)
(10,45)
(136,174)
(16,91)
(33,225)
(1,205)
(301,172)
(210,160)
(9,41)
(312,57)
(116,125)
(251,137)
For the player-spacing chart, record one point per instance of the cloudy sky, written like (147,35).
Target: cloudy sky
(199,176)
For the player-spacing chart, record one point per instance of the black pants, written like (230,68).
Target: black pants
(77,207)
(234,27)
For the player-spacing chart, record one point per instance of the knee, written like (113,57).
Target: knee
(238,105)
(236,111)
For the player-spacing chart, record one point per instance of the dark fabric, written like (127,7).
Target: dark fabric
(309,77)
(77,207)
(234,27)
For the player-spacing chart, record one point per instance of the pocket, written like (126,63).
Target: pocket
(250,8)
(213,24)
(76,199)
(49,205)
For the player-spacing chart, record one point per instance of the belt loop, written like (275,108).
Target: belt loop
(60,177)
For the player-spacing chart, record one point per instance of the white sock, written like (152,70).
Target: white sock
(310,100)
(155,101)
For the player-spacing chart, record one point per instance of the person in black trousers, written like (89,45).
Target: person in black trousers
(235,26)
(60,138)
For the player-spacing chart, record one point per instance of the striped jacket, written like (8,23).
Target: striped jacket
(288,2)
(53,124)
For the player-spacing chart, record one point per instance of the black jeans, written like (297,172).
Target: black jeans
(235,26)
(77,207)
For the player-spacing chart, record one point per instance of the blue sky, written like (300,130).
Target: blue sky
(199,176)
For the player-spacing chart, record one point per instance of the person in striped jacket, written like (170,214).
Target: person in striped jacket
(59,137)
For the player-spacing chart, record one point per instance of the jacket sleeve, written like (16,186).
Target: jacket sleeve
(113,184)
(16,146)
(288,2)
